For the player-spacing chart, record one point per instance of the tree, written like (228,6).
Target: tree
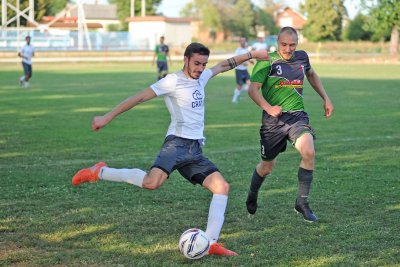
(124,8)
(233,16)
(207,12)
(237,17)
(385,17)
(41,7)
(266,19)
(324,19)
(355,30)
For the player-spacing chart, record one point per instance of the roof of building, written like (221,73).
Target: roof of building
(283,8)
(97,11)
(159,18)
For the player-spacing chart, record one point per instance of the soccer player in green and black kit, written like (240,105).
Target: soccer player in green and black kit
(161,52)
(284,119)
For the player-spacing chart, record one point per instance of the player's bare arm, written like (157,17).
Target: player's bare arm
(316,83)
(143,96)
(21,56)
(232,62)
(255,95)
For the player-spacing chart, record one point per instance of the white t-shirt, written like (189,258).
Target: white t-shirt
(27,53)
(241,51)
(184,98)
(259,46)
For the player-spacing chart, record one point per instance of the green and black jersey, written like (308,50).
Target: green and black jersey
(282,80)
(161,51)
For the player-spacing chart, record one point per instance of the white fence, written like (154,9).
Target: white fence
(65,40)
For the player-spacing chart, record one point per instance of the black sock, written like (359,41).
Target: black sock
(256,182)
(305,178)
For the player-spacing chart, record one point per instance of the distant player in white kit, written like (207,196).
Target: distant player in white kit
(241,73)
(26,53)
(184,96)
(260,43)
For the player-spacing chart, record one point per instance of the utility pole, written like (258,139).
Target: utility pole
(143,8)
(132,8)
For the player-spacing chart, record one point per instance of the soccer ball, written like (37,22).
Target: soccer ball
(194,243)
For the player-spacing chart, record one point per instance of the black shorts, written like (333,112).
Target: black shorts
(242,76)
(27,69)
(186,156)
(162,66)
(276,131)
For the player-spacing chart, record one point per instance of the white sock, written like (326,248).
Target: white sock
(216,216)
(26,84)
(130,176)
(244,87)
(22,78)
(236,95)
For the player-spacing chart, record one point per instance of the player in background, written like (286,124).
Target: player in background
(260,43)
(184,96)
(161,53)
(283,118)
(26,53)
(241,73)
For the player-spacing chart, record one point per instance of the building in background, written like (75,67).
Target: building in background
(145,31)
(104,15)
(287,16)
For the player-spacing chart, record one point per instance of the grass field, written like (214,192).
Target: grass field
(45,137)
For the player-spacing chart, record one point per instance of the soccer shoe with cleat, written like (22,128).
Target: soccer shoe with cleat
(305,210)
(89,175)
(219,250)
(251,202)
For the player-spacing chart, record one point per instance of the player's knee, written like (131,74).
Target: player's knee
(308,154)
(264,169)
(223,188)
(264,172)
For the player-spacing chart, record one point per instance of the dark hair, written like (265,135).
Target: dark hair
(288,30)
(196,48)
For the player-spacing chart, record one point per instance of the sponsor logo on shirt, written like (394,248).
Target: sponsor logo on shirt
(198,99)
(290,84)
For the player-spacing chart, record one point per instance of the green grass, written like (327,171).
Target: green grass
(45,137)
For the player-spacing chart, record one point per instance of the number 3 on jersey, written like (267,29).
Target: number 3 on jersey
(279,69)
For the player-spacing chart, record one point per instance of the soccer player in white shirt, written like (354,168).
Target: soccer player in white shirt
(260,43)
(26,53)
(241,73)
(184,95)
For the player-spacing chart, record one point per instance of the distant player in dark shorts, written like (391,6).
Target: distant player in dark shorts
(26,53)
(281,98)
(241,73)
(161,53)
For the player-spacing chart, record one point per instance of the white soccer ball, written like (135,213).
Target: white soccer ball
(194,243)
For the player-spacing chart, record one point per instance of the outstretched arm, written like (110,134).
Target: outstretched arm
(316,83)
(143,96)
(232,62)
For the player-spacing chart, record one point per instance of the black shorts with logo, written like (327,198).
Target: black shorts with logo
(276,131)
(186,156)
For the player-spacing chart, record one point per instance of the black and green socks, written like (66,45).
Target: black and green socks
(305,178)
